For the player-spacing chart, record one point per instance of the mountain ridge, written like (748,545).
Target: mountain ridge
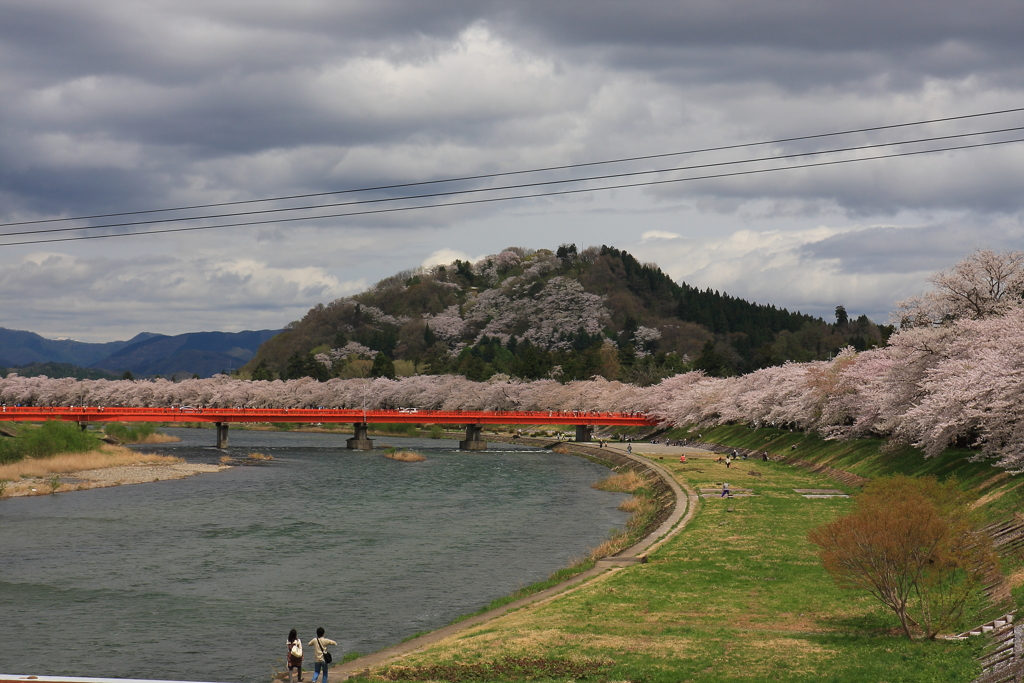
(146,354)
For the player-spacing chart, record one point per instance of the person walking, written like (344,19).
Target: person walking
(294,654)
(319,645)
(725,493)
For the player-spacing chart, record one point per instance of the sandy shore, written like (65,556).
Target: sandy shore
(109,476)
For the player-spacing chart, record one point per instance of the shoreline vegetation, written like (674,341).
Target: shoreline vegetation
(108,465)
(740,593)
(137,433)
(57,457)
(403,455)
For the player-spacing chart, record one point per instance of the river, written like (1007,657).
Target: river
(202,578)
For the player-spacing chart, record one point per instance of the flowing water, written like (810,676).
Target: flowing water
(202,578)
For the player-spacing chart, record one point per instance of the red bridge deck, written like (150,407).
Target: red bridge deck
(227,415)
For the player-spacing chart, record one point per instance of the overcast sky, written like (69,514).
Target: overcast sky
(120,106)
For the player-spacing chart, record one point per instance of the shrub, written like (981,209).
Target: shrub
(911,544)
(134,433)
(47,440)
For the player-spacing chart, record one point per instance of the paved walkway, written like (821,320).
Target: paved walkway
(687,503)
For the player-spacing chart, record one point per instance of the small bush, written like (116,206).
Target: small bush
(436,432)
(134,433)
(47,440)
(404,456)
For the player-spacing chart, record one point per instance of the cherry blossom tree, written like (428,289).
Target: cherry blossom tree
(982,285)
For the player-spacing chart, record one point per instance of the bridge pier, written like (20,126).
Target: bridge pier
(360,441)
(584,432)
(222,434)
(473,441)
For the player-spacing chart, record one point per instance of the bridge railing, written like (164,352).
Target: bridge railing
(407,415)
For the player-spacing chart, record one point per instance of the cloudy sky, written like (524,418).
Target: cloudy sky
(114,106)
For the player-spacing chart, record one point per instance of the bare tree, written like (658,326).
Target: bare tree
(911,545)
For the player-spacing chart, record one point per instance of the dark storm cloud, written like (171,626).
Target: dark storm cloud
(909,250)
(191,82)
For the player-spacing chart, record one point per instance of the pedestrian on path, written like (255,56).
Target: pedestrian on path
(319,645)
(725,494)
(294,654)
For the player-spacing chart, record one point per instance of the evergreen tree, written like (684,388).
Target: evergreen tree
(382,366)
(262,372)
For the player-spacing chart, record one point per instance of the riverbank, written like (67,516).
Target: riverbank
(738,594)
(682,509)
(107,466)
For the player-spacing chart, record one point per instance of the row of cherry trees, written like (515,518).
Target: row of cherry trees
(953,374)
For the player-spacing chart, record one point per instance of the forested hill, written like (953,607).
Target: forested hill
(566,314)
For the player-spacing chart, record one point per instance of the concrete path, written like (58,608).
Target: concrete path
(686,506)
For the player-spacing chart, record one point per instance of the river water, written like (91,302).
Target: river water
(202,578)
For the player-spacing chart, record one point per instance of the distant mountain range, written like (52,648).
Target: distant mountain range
(144,355)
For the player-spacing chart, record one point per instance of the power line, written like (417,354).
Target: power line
(525,171)
(516,197)
(519,186)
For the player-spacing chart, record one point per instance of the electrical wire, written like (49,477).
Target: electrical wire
(517,197)
(519,186)
(526,171)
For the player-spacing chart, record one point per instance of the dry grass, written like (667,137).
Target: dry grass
(405,456)
(622,482)
(616,543)
(36,476)
(639,508)
(106,456)
(259,456)
(159,438)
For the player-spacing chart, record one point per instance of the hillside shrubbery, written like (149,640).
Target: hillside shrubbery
(565,315)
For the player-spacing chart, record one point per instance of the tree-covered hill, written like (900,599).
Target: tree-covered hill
(566,314)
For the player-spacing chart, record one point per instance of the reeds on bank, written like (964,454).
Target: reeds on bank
(65,463)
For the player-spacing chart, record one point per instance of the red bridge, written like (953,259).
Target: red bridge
(222,417)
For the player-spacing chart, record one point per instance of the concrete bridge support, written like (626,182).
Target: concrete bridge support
(222,434)
(360,441)
(584,432)
(473,441)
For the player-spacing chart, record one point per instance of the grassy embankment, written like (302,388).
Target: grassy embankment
(739,594)
(999,495)
(42,453)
